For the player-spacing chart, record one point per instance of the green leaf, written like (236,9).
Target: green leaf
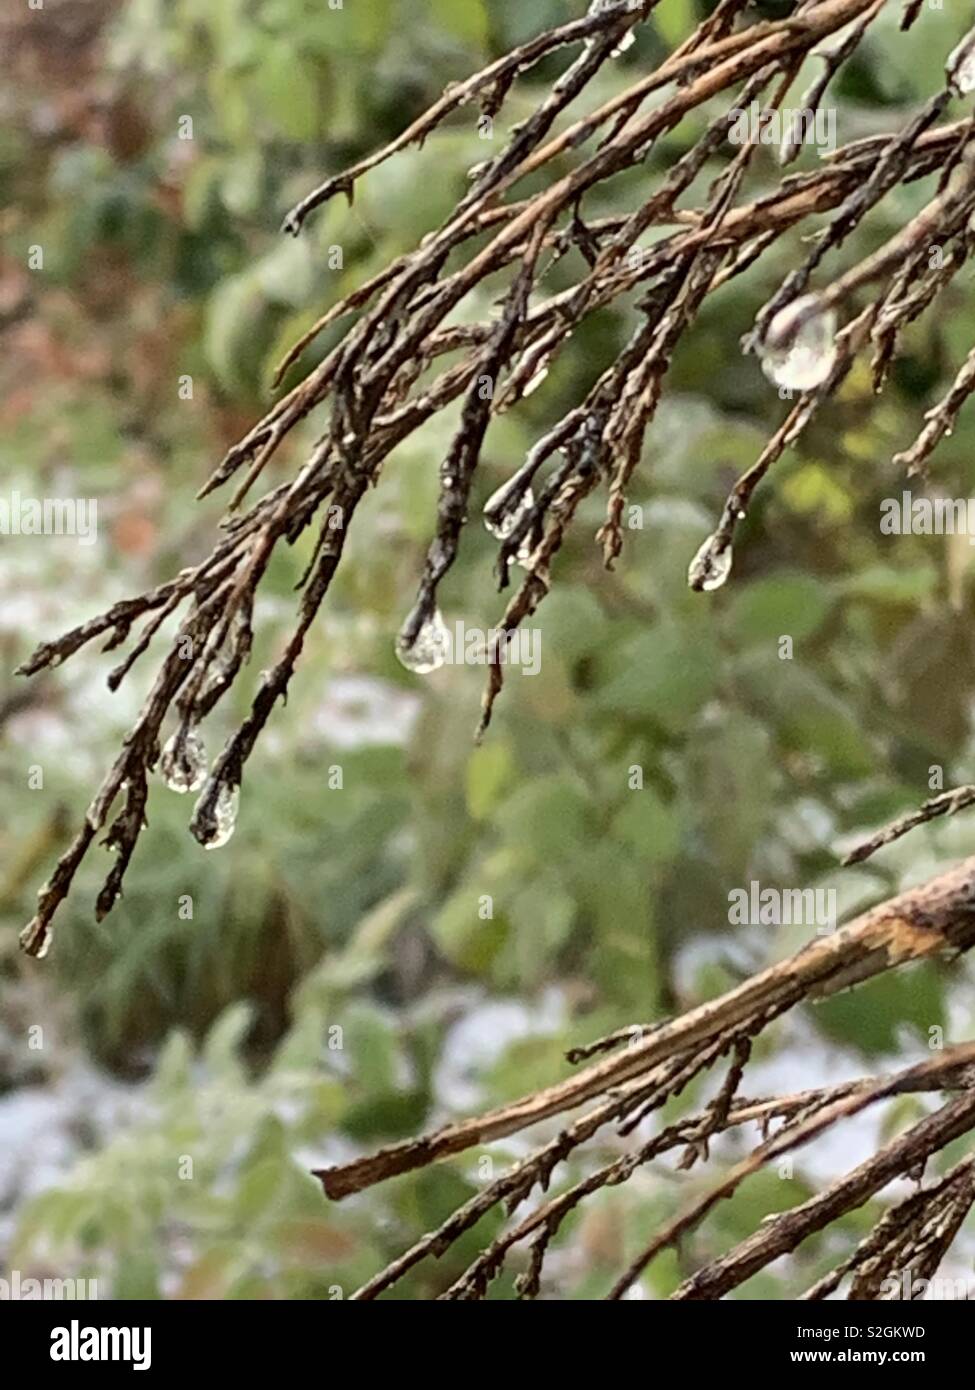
(286,274)
(809,716)
(871,1017)
(674,20)
(652,828)
(489,771)
(288,92)
(764,1194)
(228,100)
(541,916)
(547,818)
(257,1190)
(394,1114)
(173,1068)
(814,490)
(905,584)
(469,941)
(793,605)
(242,183)
(464,18)
(224,1040)
(729,782)
(136,1277)
(233,325)
(573,623)
(371,1046)
(516,22)
(666,674)
(204,179)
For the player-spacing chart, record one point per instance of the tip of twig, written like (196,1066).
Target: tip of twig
(323,1175)
(39,660)
(857,855)
(35,939)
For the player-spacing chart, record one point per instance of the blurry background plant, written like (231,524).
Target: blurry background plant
(355,907)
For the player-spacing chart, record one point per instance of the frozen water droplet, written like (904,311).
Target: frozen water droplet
(799,349)
(499,521)
(184,768)
(429,651)
(711,565)
(228,800)
(960,66)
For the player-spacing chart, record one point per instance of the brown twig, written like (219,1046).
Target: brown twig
(946,804)
(936,918)
(376,387)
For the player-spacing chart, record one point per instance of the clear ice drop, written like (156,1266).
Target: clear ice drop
(429,651)
(499,522)
(184,768)
(799,348)
(228,800)
(711,565)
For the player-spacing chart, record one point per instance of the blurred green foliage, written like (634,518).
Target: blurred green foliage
(358,906)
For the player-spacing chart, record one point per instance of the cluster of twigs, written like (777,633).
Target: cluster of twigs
(402,360)
(647,1067)
(387,376)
